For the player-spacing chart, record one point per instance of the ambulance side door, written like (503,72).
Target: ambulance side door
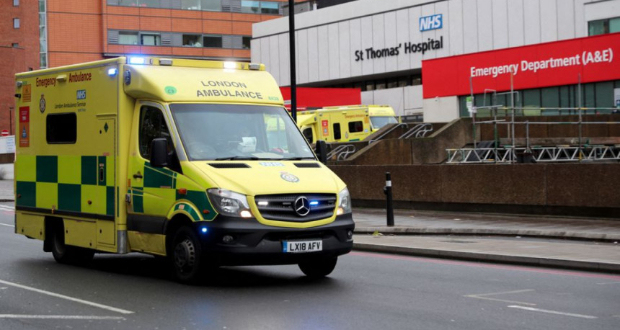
(153,190)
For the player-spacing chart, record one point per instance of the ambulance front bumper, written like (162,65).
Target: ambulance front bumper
(232,241)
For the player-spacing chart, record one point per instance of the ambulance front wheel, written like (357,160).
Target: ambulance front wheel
(318,268)
(187,258)
(65,254)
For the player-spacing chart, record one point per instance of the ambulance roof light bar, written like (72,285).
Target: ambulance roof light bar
(137,60)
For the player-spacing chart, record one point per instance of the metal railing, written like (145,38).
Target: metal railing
(341,152)
(384,134)
(418,131)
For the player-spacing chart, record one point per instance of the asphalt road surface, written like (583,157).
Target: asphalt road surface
(366,291)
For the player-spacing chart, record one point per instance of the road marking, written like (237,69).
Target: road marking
(552,312)
(61,317)
(4,224)
(485,296)
(608,283)
(85,302)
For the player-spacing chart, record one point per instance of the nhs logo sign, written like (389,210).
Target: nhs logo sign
(433,22)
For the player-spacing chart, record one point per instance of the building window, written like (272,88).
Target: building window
(190,4)
(150,3)
(15,3)
(61,128)
(270,8)
(131,3)
(16,23)
(250,7)
(42,35)
(128,38)
(211,5)
(603,26)
(212,41)
(151,39)
(191,40)
(245,42)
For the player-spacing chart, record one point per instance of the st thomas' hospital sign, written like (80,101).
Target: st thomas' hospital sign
(409,48)
(427,23)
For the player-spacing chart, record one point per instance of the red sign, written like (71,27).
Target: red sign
(5,132)
(542,65)
(24,127)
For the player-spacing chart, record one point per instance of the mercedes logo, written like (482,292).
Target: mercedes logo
(302,206)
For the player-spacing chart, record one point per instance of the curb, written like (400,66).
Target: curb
(499,232)
(506,259)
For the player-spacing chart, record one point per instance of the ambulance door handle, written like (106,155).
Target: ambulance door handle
(137,176)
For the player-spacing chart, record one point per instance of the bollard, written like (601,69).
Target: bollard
(388,192)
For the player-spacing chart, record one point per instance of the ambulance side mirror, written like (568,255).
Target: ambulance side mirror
(321,151)
(159,152)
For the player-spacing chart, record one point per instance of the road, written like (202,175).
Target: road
(366,291)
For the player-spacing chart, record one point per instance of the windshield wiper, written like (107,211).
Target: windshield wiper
(237,158)
(299,158)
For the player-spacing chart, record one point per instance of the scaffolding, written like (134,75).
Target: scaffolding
(511,153)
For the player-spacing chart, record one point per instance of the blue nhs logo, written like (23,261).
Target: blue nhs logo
(433,22)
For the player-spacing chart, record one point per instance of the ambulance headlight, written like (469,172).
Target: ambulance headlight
(230,203)
(230,65)
(344,202)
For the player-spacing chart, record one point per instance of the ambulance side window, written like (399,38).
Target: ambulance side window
(308,134)
(60,128)
(337,135)
(152,126)
(356,126)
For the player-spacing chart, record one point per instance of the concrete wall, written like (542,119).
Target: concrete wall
(405,100)
(428,150)
(440,109)
(575,189)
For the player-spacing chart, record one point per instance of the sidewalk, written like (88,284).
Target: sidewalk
(577,243)
(6,191)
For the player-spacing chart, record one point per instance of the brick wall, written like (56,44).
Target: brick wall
(18,58)
(78,30)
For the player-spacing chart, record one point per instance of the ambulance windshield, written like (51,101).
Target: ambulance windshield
(380,121)
(238,132)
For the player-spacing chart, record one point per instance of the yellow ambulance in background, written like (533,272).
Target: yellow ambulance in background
(194,160)
(344,123)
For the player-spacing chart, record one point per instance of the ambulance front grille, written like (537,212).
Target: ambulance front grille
(282,207)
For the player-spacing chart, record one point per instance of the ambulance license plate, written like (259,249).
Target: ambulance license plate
(301,246)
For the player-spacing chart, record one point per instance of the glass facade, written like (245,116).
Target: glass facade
(250,7)
(43,34)
(549,101)
(169,39)
(603,26)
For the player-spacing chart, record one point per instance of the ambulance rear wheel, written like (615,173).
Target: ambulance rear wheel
(318,268)
(186,256)
(65,254)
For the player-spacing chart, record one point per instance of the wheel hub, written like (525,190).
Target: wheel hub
(185,255)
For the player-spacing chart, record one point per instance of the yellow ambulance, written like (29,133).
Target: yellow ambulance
(344,123)
(194,160)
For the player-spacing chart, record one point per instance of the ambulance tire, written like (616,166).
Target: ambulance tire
(187,258)
(318,268)
(65,254)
